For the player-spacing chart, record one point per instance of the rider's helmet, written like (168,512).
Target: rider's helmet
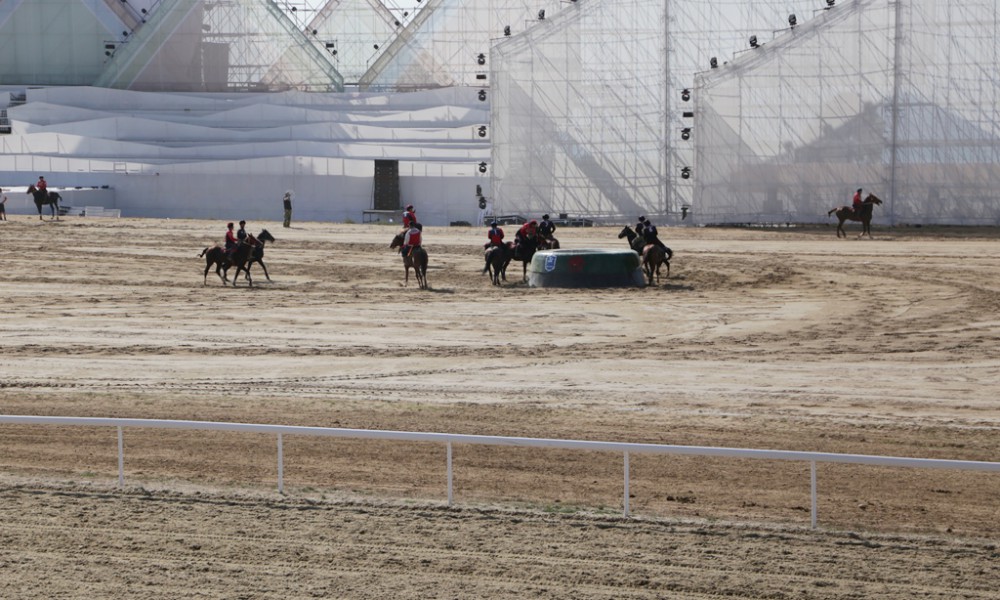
(642,219)
(545,217)
(859,190)
(243,222)
(494,224)
(409,207)
(419,226)
(533,222)
(229,225)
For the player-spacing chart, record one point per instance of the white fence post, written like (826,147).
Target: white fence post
(625,503)
(812,473)
(121,460)
(281,466)
(450,491)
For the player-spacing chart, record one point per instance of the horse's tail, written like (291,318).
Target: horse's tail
(204,251)
(670,253)
(832,211)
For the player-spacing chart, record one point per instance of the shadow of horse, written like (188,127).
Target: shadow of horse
(497,258)
(216,255)
(416,260)
(847,213)
(43,198)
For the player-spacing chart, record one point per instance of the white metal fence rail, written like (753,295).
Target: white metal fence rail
(451,438)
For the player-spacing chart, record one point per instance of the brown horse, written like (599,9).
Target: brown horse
(653,258)
(42,198)
(416,260)
(214,255)
(497,258)
(547,243)
(638,243)
(864,214)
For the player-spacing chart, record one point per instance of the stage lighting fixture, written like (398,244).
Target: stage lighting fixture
(829,4)
(686,134)
(792,21)
(686,173)
(482,167)
(481,59)
(482,131)
(329,45)
(482,95)
(541,15)
(713,62)
(685,94)
(479,190)
(109,46)
(753,41)
(506,30)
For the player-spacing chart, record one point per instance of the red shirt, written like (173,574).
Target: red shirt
(231,241)
(496,236)
(412,237)
(409,218)
(857,199)
(41,185)
(528,229)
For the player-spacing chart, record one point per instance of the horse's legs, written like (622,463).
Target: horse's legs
(236,275)
(263,266)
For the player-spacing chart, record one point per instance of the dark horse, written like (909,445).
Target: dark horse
(548,243)
(257,251)
(416,260)
(638,243)
(864,214)
(42,198)
(524,251)
(497,259)
(214,255)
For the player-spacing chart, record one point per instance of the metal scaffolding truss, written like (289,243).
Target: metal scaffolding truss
(219,45)
(898,98)
(441,46)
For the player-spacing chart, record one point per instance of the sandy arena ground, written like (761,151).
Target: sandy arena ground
(787,339)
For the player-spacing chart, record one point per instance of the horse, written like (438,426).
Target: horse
(214,255)
(42,198)
(257,251)
(416,260)
(638,243)
(634,241)
(524,250)
(653,258)
(548,243)
(847,213)
(497,258)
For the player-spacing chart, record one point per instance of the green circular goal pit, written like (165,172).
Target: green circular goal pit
(585,269)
